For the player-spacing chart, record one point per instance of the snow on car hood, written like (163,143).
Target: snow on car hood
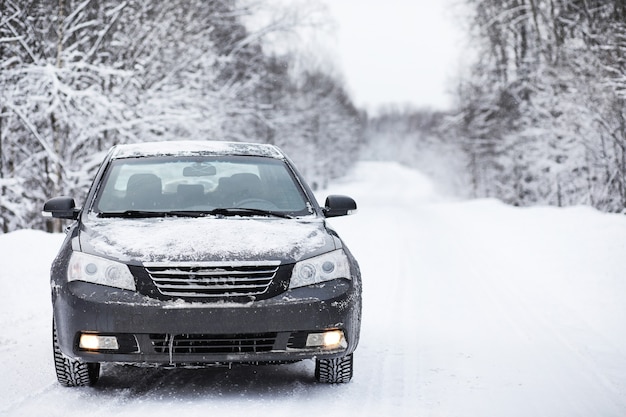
(205,239)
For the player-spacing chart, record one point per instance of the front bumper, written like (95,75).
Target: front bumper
(153,331)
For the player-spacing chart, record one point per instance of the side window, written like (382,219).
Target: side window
(111,195)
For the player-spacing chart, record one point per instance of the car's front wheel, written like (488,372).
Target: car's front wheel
(334,371)
(71,372)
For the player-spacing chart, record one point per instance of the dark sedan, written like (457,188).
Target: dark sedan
(200,254)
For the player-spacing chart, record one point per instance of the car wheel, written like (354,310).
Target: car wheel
(334,371)
(70,372)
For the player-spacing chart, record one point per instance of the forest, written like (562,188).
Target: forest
(78,76)
(539,116)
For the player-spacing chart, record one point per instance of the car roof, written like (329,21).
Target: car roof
(193,147)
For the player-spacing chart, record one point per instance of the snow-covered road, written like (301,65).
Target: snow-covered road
(470,309)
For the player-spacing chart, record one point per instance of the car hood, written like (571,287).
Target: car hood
(175,239)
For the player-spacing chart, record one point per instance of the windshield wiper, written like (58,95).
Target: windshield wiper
(137,214)
(132,214)
(244,211)
(186,213)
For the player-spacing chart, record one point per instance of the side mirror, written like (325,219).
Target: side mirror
(61,208)
(339,205)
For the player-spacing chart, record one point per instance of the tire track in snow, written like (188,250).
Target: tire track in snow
(386,362)
(373,359)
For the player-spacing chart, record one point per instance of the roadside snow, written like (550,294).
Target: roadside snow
(472,308)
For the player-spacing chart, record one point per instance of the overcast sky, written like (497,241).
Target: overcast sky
(397,51)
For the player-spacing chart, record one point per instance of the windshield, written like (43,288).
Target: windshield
(200,184)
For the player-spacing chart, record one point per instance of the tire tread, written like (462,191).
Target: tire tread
(70,372)
(334,371)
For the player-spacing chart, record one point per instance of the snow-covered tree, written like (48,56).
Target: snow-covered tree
(542,114)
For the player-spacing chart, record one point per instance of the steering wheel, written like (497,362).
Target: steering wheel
(256,203)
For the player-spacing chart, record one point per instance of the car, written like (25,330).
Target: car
(202,253)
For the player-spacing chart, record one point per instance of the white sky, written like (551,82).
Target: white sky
(397,51)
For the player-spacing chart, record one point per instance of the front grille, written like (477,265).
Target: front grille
(213,279)
(216,344)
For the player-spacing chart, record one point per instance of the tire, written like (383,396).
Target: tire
(70,372)
(334,371)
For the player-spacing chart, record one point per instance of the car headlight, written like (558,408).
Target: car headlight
(89,268)
(331,265)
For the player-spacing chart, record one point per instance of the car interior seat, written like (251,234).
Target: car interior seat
(144,192)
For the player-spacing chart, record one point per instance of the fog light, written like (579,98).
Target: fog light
(330,339)
(97,342)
